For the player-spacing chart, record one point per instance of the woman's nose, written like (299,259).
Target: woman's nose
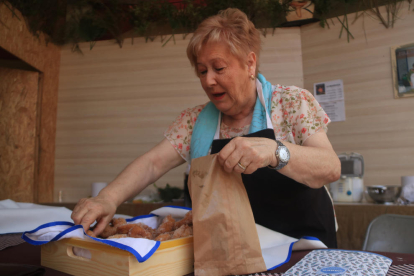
(210,79)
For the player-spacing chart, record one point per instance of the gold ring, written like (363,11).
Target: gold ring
(241,166)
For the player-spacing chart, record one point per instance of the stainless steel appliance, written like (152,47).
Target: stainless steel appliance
(350,186)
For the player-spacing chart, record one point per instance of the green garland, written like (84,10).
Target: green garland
(91,20)
(75,21)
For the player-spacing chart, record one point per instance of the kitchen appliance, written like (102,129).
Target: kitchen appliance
(350,186)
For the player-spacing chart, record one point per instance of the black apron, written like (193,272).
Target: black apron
(284,205)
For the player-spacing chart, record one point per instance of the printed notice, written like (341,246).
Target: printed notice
(330,95)
(335,110)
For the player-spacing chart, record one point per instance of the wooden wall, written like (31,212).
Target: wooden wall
(16,39)
(115,103)
(378,126)
(18,119)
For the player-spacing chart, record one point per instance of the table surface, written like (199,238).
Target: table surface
(353,218)
(30,254)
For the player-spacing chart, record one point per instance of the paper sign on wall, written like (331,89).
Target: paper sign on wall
(330,95)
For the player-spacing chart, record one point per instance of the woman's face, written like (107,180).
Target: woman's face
(225,80)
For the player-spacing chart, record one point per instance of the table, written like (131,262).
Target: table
(353,218)
(30,254)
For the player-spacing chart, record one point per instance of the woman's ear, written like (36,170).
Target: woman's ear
(251,63)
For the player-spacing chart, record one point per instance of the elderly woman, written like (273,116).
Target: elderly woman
(280,144)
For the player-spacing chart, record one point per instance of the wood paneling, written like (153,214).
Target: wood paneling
(377,125)
(18,118)
(17,40)
(115,103)
(353,221)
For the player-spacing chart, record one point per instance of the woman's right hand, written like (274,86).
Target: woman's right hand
(132,180)
(88,210)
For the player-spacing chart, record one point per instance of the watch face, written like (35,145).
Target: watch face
(284,154)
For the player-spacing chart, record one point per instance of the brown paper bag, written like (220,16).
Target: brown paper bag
(225,235)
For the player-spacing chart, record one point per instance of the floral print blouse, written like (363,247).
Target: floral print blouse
(295,115)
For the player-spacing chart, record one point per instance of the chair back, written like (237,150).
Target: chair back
(390,233)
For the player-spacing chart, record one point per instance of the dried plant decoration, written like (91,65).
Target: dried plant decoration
(392,9)
(72,22)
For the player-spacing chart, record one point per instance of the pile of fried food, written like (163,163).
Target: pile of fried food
(169,229)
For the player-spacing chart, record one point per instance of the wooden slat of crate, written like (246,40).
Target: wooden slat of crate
(172,258)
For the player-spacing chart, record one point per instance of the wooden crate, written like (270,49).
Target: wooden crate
(175,257)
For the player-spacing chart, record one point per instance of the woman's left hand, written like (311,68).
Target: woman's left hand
(250,153)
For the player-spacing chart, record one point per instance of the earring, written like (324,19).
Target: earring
(252,77)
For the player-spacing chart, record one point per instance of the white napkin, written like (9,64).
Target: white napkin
(277,248)
(17,217)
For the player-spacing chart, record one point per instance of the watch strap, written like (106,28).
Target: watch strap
(280,163)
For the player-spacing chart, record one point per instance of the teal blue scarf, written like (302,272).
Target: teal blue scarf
(206,124)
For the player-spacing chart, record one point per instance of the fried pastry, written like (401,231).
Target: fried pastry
(167,225)
(111,228)
(183,231)
(124,229)
(147,228)
(138,231)
(108,231)
(168,229)
(90,233)
(118,221)
(163,237)
(188,220)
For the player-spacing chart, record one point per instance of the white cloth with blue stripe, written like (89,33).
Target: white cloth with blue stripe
(142,249)
(276,247)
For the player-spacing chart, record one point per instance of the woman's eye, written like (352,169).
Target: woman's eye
(203,72)
(219,69)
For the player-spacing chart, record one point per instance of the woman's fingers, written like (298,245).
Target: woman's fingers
(244,162)
(89,218)
(226,152)
(251,168)
(251,153)
(101,224)
(87,211)
(79,211)
(232,161)
(233,154)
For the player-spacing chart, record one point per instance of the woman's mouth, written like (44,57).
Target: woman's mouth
(219,96)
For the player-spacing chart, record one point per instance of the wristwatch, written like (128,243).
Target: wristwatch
(282,154)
